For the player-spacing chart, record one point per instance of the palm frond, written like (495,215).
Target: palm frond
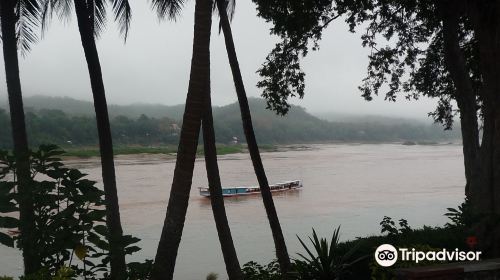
(63,8)
(45,14)
(123,15)
(168,8)
(97,13)
(335,240)
(306,248)
(28,14)
(230,8)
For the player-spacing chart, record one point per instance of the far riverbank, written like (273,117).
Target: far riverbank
(222,149)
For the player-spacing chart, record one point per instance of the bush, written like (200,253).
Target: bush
(255,271)
(325,261)
(70,229)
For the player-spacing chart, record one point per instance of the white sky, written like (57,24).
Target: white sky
(153,66)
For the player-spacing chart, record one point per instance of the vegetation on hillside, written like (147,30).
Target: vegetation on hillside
(70,128)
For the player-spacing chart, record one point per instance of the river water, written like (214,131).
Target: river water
(350,185)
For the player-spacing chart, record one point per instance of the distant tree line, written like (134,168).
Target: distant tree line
(55,126)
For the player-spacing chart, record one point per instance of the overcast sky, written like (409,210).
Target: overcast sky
(153,66)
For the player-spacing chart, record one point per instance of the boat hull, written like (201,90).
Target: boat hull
(242,191)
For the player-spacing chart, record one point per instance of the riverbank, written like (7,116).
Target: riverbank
(88,152)
(222,149)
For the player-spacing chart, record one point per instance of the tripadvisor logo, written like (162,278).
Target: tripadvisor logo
(387,255)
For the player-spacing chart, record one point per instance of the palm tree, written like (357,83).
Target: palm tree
(217,200)
(91,18)
(279,240)
(23,15)
(199,91)
(199,83)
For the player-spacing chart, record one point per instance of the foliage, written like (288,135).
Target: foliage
(460,217)
(296,22)
(64,273)
(255,271)
(389,226)
(73,132)
(405,39)
(278,88)
(140,270)
(426,237)
(96,11)
(362,249)
(69,216)
(28,18)
(323,260)
(212,276)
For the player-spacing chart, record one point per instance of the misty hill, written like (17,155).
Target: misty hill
(59,120)
(359,118)
(74,107)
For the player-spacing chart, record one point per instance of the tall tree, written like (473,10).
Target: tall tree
(217,200)
(279,240)
(91,16)
(19,18)
(199,82)
(485,20)
(445,49)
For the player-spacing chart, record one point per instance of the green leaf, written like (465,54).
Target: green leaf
(101,229)
(8,222)
(6,187)
(132,249)
(94,239)
(7,206)
(6,240)
(75,174)
(129,239)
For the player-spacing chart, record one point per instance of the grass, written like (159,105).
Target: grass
(87,152)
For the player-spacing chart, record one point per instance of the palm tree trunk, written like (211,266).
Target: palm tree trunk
(183,174)
(226,241)
(21,150)
(117,253)
(279,240)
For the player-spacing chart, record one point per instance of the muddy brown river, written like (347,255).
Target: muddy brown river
(350,185)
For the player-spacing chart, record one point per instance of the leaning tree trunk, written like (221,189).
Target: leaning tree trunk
(279,240)
(21,150)
(186,154)
(226,240)
(115,237)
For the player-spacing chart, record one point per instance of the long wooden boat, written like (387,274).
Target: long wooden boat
(236,191)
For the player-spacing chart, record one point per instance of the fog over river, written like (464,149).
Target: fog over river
(350,185)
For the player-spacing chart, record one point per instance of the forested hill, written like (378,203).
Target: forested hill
(76,107)
(66,121)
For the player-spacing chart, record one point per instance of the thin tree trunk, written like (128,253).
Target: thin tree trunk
(183,174)
(226,240)
(21,150)
(279,240)
(117,253)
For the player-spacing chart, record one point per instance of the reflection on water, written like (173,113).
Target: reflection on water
(349,185)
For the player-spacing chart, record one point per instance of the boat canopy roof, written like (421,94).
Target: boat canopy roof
(256,187)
